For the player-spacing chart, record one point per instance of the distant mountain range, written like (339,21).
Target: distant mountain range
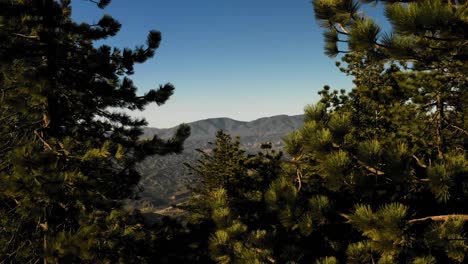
(165,179)
(260,128)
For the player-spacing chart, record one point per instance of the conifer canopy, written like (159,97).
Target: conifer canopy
(67,156)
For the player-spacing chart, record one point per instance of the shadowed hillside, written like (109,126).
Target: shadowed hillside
(165,180)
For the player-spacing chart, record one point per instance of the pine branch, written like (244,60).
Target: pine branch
(26,36)
(347,217)
(6,117)
(459,128)
(4,168)
(5,148)
(420,163)
(436,48)
(46,144)
(299,179)
(442,39)
(422,180)
(296,162)
(361,163)
(440,218)
(369,168)
(343,30)
(431,104)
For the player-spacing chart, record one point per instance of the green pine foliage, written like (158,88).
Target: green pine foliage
(250,207)
(254,210)
(377,174)
(230,201)
(390,155)
(67,160)
(362,164)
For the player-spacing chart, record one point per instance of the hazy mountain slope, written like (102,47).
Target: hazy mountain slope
(207,128)
(165,178)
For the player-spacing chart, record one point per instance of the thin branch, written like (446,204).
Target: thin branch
(441,218)
(364,165)
(47,145)
(459,128)
(272,260)
(299,179)
(436,48)
(26,36)
(423,180)
(297,161)
(442,39)
(419,162)
(371,169)
(343,29)
(432,104)
(347,217)
(409,60)
(367,167)
(6,117)
(378,45)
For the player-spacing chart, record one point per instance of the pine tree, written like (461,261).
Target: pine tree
(381,202)
(390,156)
(67,160)
(251,209)
(428,40)
(230,201)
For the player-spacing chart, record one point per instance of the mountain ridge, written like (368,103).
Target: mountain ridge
(208,127)
(165,180)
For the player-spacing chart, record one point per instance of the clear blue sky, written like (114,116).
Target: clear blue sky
(242,59)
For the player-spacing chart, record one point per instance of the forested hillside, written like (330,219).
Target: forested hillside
(374,173)
(164,181)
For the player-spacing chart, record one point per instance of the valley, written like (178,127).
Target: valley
(165,179)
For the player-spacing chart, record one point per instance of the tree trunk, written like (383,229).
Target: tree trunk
(439,124)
